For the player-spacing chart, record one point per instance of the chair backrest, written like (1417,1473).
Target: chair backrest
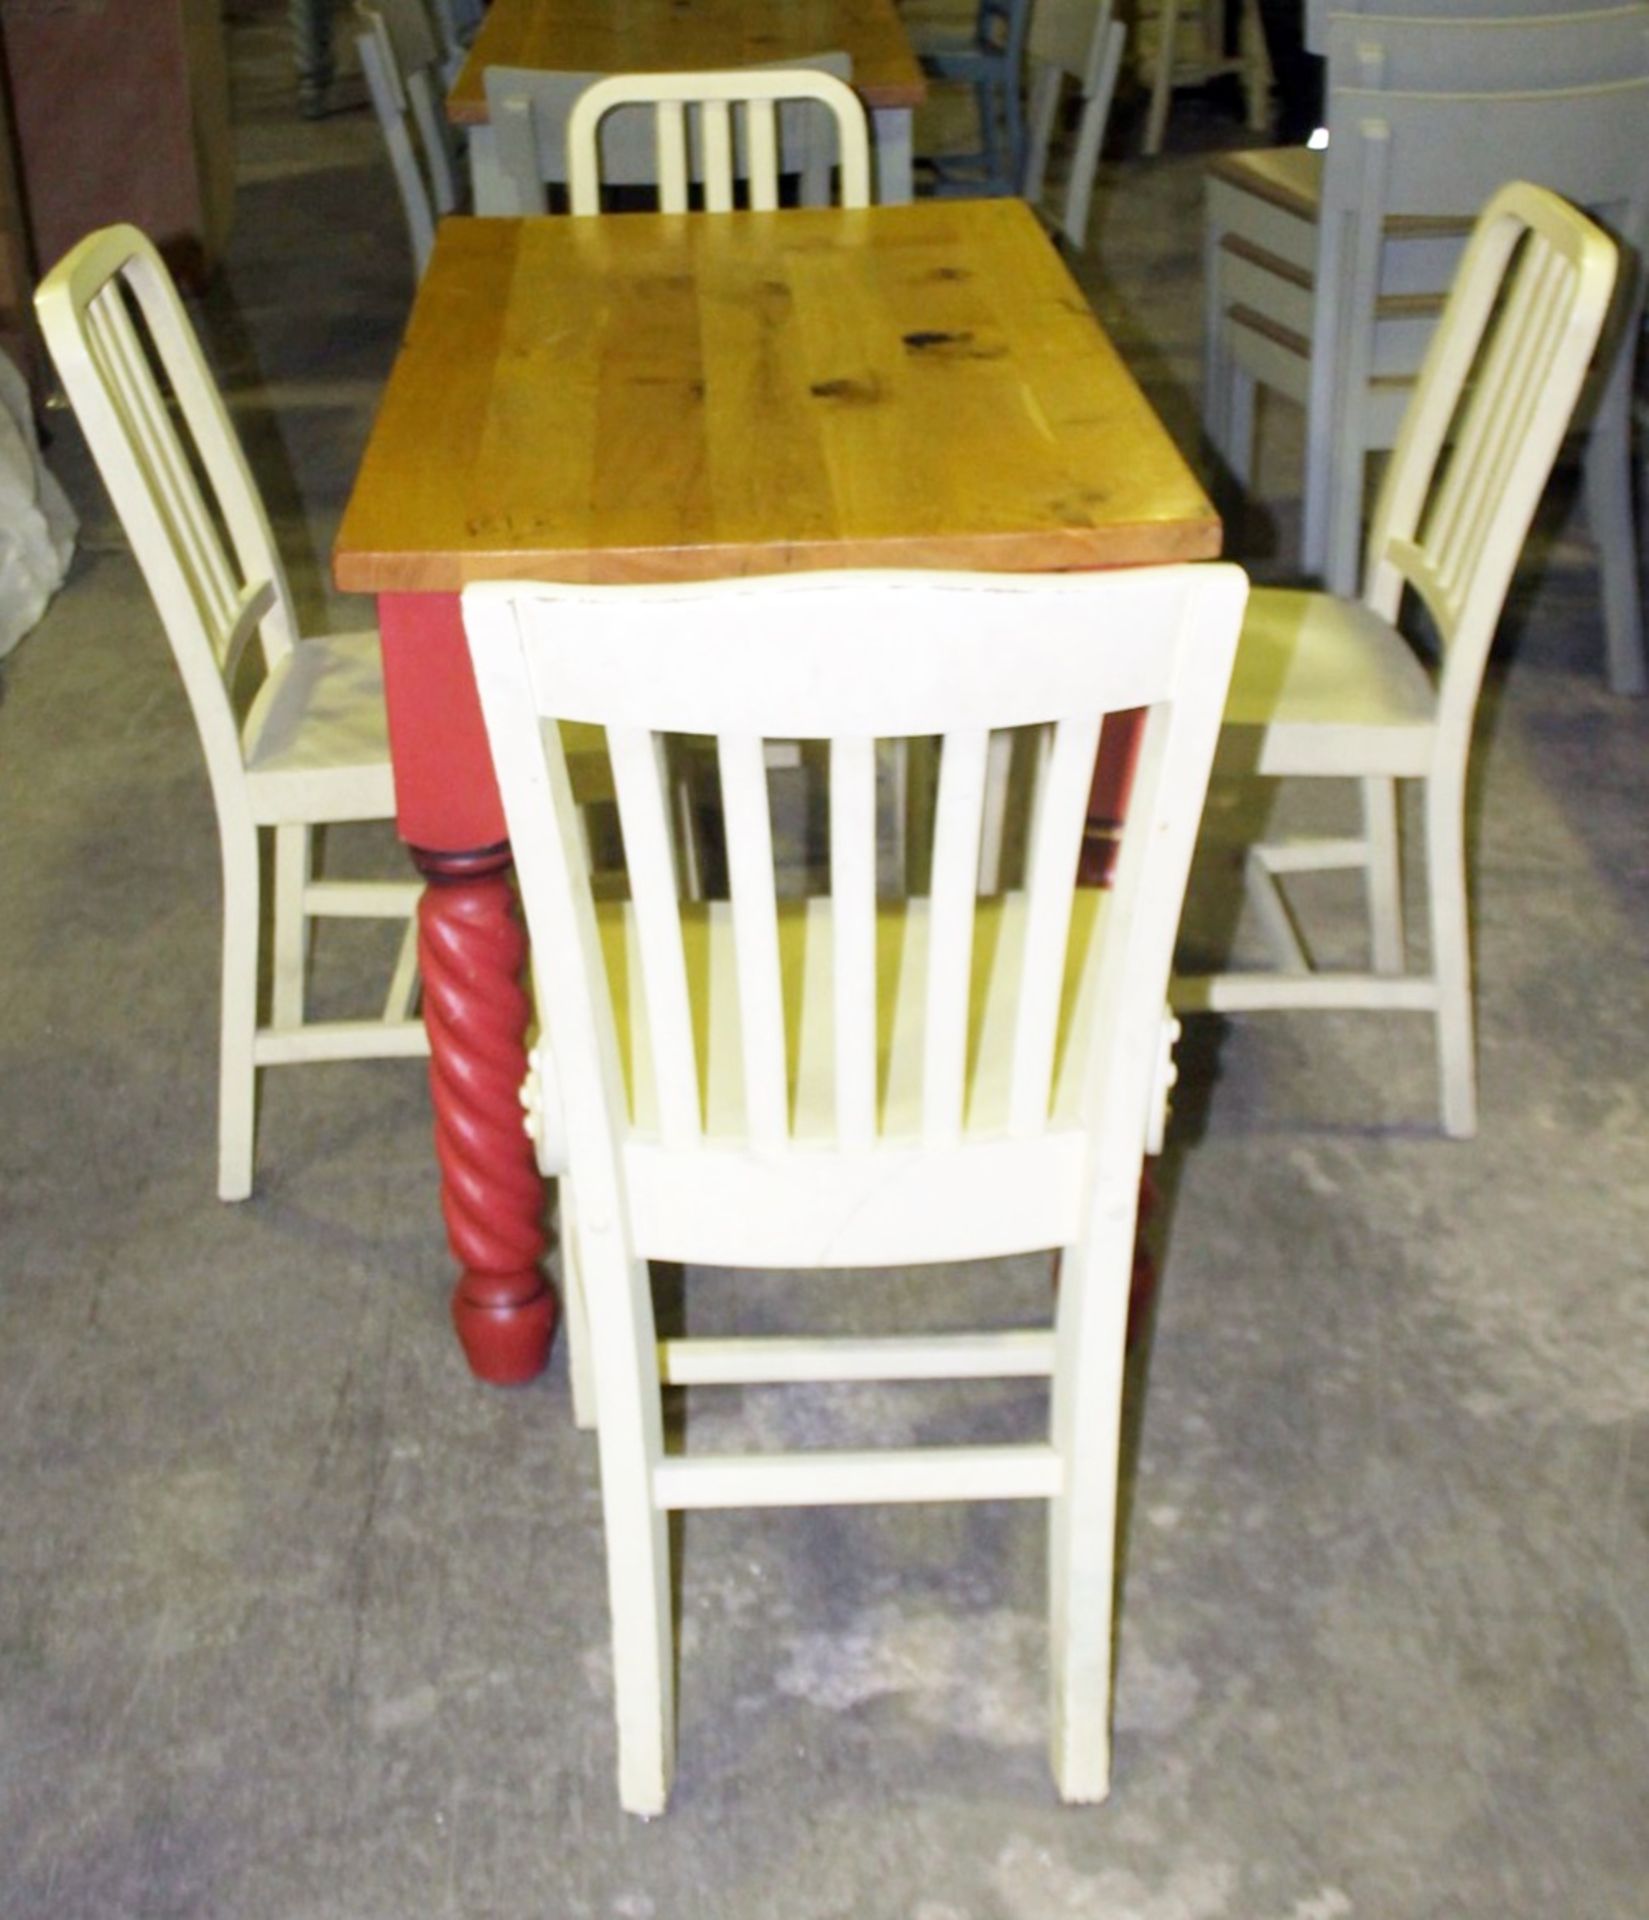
(134,373)
(528,110)
(852,659)
(1405,175)
(399,61)
(694,134)
(1321,14)
(1489,412)
(1080,40)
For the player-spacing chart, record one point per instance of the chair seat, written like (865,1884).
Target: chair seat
(839,1204)
(1289,178)
(1332,688)
(317,740)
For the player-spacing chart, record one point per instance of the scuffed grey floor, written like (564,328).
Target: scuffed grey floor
(297,1622)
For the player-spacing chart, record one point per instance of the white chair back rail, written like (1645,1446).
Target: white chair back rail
(1465,52)
(819,1083)
(529,110)
(1321,15)
(718,127)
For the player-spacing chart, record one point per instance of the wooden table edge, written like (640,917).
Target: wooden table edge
(1031,550)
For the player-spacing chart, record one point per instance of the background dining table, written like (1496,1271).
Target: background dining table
(694,36)
(647,397)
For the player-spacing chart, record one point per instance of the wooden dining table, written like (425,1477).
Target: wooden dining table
(694,36)
(653,397)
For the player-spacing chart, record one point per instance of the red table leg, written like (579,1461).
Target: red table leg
(1107,808)
(471,951)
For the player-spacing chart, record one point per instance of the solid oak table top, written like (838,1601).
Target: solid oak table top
(652,397)
(689,36)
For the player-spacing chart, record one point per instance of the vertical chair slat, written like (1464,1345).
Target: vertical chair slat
(644,819)
(155,440)
(1055,846)
(670,131)
(762,132)
(1468,478)
(749,830)
(1507,415)
(950,930)
(716,134)
(853,891)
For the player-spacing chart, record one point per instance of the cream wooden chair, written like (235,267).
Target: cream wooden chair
(823,1084)
(1329,688)
(529,111)
(312,749)
(1276,287)
(400,62)
(706,106)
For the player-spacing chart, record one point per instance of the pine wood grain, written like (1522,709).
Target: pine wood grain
(639,397)
(689,36)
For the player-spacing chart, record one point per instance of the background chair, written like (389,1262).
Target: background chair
(812,1084)
(1207,60)
(1081,41)
(312,749)
(991,60)
(399,60)
(529,111)
(1326,688)
(1275,292)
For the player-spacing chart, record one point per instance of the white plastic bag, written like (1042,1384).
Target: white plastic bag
(37,524)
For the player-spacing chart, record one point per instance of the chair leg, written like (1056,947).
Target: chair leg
(1092,1319)
(1239,424)
(1216,358)
(1013,114)
(1162,81)
(238,1020)
(1256,69)
(1608,476)
(1382,879)
(293,852)
(580,1371)
(1451,954)
(1343,527)
(624,1346)
(990,134)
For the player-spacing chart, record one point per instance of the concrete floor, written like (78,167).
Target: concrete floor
(299,1622)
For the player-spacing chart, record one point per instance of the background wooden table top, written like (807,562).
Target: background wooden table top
(685,36)
(645,397)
